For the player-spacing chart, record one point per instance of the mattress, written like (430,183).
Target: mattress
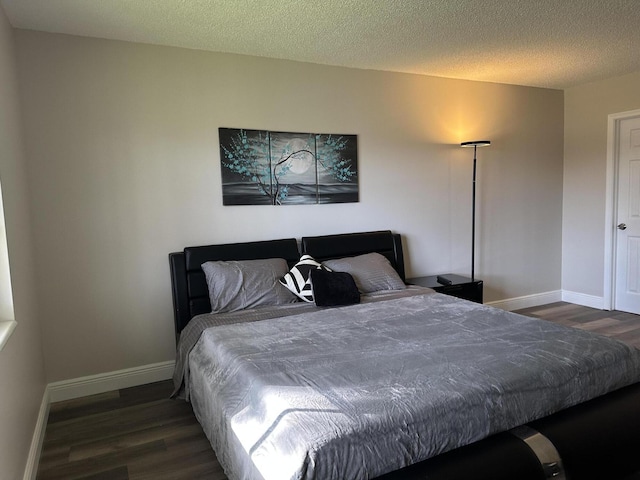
(300,392)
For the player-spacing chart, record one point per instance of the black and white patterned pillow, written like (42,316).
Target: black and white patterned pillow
(297,280)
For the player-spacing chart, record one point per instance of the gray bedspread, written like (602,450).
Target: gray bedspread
(358,391)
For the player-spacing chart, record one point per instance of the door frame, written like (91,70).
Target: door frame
(611,205)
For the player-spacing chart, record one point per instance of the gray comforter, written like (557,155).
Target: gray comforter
(358,391)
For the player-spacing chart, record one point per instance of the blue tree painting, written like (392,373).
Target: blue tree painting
(260,167)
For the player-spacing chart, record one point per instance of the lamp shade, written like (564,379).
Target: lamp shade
(476,143)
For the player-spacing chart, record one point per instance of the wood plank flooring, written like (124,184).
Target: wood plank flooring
(130,434)
(620,325)
(140,434)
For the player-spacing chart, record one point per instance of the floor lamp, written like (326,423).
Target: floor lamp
(475,144)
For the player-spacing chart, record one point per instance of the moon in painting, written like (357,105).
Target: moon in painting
(301,161)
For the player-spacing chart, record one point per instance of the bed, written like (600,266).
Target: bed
(408,383)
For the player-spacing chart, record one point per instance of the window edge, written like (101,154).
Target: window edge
(6,329)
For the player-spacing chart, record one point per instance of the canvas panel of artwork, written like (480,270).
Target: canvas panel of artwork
(261,167)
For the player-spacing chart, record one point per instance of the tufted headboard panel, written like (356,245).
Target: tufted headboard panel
(385,242)
(188,283)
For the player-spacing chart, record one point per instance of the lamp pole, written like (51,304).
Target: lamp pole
(473,216)
(475,144)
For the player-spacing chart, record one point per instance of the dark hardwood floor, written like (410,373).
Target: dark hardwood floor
(130,434)
(140,434)
(620,325)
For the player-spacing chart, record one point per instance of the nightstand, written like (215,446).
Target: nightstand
(461,287)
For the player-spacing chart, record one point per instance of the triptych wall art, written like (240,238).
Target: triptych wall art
(260,167)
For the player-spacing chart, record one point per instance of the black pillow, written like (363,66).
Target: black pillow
(331,289)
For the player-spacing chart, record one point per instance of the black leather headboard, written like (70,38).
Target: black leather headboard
(189,286)
(351,244)
(188,283)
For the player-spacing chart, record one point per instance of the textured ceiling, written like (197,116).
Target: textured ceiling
(544,43)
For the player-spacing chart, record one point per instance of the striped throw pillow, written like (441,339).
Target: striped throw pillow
(298,281)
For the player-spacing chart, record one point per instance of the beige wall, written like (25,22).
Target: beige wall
(124,168)
(586,114)
(21,369)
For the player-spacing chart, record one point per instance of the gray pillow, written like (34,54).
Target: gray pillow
(236,285)
(372,272)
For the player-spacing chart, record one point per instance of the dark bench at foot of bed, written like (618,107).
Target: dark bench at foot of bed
(597,440)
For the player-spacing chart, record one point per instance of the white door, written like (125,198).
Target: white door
(627,276)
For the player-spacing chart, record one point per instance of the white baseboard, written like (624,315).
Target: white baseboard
(583,299)
(527,301)
(31,470)
(537,299)
(105,382)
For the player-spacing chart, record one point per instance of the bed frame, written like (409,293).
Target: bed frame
(597,440)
